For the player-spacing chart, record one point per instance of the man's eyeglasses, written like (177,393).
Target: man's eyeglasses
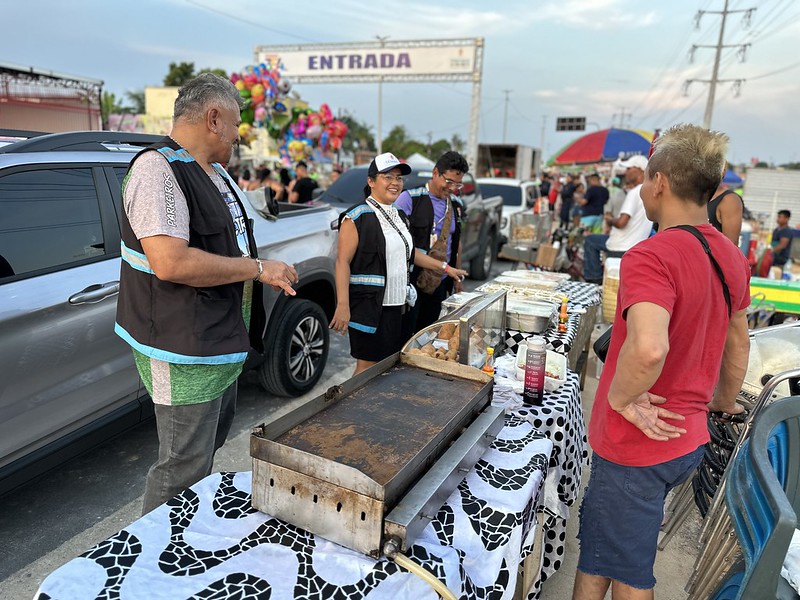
(390,178)
(452,184)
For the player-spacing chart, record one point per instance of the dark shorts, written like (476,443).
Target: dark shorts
(621,515)
(387,339)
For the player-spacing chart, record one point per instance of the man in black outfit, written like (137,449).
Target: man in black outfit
(592,204)
(303,189)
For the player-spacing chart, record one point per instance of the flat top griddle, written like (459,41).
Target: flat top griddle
(380,427)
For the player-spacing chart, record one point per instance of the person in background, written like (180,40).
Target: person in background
(648,426)
(616,196)
(335,173)
(552,195)
(781,239)
(567,192)
(578,198)
(244,179)
(427,208)
(631,227)
(372,266)
(592,204)
(302,189)
(725,212)
(285,182)
(187,291)
(544,186)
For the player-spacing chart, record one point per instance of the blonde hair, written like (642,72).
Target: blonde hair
(692,159)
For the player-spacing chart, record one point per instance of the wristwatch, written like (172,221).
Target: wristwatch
(260,269)
(444,266)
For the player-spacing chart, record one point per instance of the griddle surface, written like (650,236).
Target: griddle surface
(380,427)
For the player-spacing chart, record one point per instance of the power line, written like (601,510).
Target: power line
(248,22)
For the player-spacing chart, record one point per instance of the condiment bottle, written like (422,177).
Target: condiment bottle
(488,366)
(563,317)
(535,358)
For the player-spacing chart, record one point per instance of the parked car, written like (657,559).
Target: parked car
(480,226)
(66,379)
(518,195)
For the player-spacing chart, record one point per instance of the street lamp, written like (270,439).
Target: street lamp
(382,40)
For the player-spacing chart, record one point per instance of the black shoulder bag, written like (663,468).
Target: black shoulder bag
(604,341)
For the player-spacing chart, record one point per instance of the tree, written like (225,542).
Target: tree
(438,148)
(221,72)
(458,144)
(178,74)
(110,106)
(136,99)
(359,135)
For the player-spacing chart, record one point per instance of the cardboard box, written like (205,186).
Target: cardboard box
(546,256)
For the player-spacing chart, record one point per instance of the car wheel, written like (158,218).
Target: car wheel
(296,350)
(481,265)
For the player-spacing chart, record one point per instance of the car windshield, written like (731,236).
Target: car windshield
(509,193)
(349,188)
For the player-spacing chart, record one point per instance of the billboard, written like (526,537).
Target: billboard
(372,61)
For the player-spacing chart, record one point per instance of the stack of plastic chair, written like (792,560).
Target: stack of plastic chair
(719,548)
(763,498)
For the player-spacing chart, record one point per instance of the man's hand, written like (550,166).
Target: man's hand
(279,276)
(648,417)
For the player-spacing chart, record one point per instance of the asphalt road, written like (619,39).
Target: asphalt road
(59,516)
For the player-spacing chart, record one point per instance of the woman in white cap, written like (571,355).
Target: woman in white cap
(372,266)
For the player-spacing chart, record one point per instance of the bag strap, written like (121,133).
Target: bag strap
(377,205)
(700,238)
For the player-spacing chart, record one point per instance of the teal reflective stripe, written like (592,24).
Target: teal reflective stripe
(172,155)
(377,280)
(417,192)
(358,211)
(135,259)
(360,327)
(182,359)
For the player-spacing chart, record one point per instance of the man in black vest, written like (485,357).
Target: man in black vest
(189,280)
(428,209)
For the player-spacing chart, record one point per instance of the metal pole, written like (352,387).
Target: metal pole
(712,86)
(475,111)
(505,115)
(379,140)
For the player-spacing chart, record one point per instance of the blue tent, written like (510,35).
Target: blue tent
(732,178)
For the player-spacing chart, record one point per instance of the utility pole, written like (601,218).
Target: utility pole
(505,115)
(541,135)
(379,140)
(712,83)
(622,114)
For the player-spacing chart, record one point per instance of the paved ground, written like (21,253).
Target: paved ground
(56,518)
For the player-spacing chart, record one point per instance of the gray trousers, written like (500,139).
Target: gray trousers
(188,437)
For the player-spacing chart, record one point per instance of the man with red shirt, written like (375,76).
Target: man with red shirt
(676,352)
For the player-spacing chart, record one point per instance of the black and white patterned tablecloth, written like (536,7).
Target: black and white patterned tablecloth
(560,418)
(558,342)
(581,293)
(209,543)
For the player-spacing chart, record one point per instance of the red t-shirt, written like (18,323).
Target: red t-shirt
(672,270)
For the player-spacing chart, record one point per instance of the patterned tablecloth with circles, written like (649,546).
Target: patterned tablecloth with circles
(208,542)
(560,418)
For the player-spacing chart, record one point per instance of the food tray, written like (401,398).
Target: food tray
(528,229)
(529,316)
(478,324)
(521,293)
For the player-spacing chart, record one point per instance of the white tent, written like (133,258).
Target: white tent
(418,161)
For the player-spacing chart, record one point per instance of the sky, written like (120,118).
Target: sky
(616,62)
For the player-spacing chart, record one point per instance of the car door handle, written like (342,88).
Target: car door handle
(95,292)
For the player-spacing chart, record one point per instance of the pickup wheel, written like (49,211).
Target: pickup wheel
(481,265)
(296,351)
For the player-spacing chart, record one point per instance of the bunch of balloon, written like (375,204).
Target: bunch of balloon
(265,100)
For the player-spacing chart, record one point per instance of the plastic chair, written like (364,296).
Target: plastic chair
(763,498)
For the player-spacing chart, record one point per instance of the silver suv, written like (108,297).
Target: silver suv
(66,380)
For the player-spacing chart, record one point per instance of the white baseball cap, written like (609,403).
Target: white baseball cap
(638,161)
(386,162)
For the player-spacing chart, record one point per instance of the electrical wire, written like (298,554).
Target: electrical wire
(409,565)
(247,21)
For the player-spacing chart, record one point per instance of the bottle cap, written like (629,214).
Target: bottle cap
(535,343)
(490,351)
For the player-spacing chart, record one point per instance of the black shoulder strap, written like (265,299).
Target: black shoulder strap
(725,291)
